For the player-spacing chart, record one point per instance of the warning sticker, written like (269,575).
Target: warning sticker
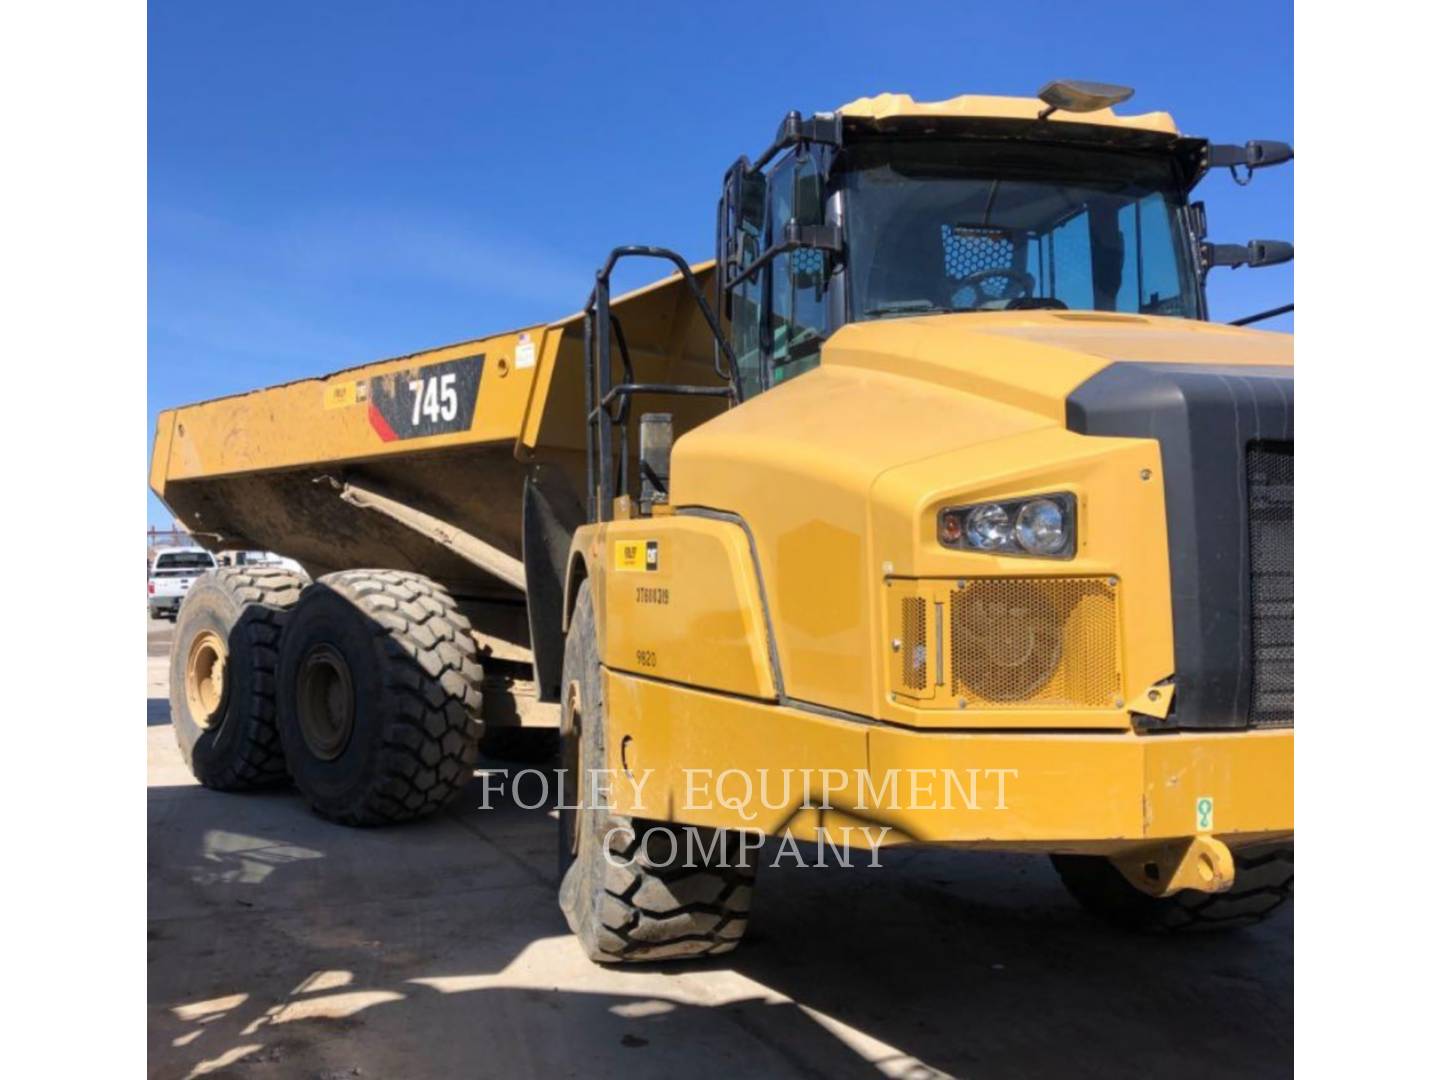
(637,555)
(1204,814)
(342,394)
(524,352)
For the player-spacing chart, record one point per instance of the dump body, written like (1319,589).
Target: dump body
(451,433)
(251,470)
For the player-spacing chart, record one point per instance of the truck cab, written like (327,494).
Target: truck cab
(999,498)
(889,208)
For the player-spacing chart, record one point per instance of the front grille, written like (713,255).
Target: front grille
(1270,469)
(915,660)
(1035,643)
(1006,643)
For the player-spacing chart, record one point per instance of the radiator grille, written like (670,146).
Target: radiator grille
(915,658)
(1270,468)
(1035,642)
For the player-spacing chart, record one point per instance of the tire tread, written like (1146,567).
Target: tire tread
(263,595)
(432,684)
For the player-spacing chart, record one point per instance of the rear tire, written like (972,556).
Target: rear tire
(379,697)
(1264,884)
(222,676)
(625,888)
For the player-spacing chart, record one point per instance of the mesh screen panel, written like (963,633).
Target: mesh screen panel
(807,261)
(1270,469)
(915,648)
(968,251)
(1035,642)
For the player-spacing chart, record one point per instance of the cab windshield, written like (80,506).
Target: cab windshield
(966,226)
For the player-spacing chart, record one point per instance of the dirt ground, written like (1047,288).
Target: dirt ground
(283,946)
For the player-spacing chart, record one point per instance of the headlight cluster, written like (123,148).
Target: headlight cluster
(1044,525)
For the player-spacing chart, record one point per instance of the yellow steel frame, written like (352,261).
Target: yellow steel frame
(690,756)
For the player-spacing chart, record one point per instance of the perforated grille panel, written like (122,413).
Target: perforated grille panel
(1035,643)
(807,261)
(1270,468)
(970,250)
(915,647)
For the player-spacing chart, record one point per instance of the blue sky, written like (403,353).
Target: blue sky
(332,183)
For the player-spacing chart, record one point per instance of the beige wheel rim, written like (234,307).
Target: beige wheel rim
(573,788)
(205,677)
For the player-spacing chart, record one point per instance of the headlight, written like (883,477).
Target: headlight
(1044,526)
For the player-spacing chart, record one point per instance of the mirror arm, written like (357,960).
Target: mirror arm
(797,236)
(822,129)
(1231,255)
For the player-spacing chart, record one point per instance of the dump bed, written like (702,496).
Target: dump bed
(419,462)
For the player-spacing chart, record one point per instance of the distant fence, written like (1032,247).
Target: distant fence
(162,538)
(167,538)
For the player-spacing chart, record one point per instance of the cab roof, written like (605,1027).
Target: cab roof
(889,106)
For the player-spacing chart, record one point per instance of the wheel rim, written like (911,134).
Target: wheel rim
(572,784)
(205,677)
(326,702)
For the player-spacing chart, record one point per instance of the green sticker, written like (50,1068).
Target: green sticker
(1204,813)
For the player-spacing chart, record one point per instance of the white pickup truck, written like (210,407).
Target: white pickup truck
(171,575)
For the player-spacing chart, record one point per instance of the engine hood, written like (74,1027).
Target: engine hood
(835,473)
(1034,359)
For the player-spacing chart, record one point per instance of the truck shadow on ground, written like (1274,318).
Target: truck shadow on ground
(281,945)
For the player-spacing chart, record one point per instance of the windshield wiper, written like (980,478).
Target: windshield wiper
(913,307)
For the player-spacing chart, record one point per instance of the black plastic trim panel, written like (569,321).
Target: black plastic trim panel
(1204,417)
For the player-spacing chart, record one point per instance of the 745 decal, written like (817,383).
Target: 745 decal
(436,399)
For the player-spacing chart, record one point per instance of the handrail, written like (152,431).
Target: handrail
(600,326)
(1261,316)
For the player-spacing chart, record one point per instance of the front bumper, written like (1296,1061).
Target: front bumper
(737,763)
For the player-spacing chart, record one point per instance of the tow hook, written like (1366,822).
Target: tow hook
(1202,863)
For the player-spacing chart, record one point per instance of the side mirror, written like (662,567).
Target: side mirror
(1257,253)
(1255,154)
(1270,252)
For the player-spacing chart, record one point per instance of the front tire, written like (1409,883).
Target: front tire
(379,697)
(222,676)
(1264,885)
(628,888)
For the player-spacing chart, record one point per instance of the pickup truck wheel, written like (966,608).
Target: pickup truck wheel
(379,697)
(222,675)
(1264,884)
(634,890)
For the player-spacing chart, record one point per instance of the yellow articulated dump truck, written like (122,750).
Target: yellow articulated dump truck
(933,511)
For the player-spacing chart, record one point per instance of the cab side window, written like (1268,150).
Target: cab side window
(747,308)
(796,286)
(778,315)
